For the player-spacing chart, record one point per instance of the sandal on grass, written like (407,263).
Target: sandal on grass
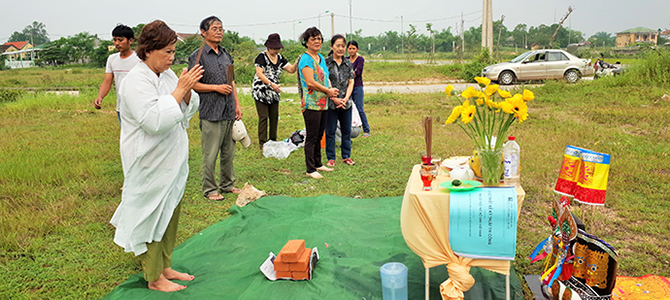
(314,175)
(348,161)
(234,191)
(324,169)
(330,163)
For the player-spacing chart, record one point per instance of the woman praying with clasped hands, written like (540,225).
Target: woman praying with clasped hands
(156,107)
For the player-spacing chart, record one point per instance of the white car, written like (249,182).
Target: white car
(538,65)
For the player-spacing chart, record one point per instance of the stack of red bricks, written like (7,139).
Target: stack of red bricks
(293,261)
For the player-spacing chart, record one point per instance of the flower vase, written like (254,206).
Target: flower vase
(491,165)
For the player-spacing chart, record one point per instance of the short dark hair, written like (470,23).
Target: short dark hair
(123,31)
(352,42)
(310,32)
(155,35)
(334,39)
(204,25)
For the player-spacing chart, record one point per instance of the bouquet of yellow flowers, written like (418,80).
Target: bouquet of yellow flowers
(485,115)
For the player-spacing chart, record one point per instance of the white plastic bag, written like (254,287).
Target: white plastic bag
(277,149)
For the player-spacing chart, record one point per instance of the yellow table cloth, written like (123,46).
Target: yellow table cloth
(424,220)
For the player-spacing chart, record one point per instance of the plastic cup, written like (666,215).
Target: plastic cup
(394,281)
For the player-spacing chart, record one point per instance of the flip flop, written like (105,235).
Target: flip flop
(314,175)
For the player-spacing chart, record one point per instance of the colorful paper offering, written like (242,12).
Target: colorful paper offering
(584,175)
(593,173)
(567,178)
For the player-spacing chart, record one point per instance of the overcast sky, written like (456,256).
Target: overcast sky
(258,18)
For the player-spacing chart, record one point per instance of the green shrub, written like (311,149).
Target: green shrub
(452,70)
(653,68)
(474,68)
(10,95)
(3,66)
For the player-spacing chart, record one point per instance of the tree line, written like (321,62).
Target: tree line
(82,47)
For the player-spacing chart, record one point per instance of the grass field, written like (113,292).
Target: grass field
(60,175)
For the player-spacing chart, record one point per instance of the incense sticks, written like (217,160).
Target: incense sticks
(197,60)
(428,131)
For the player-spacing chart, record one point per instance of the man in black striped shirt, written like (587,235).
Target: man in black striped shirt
(219,108)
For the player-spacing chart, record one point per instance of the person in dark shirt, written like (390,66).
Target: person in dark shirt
(266,90)
(339,108)
(358,62)
(219,108)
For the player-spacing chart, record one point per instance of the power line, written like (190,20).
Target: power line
(415,21)
(249,25)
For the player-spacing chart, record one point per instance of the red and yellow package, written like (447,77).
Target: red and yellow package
(592,181)
(567,178)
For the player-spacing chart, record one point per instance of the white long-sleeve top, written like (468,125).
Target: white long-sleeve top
(154,155)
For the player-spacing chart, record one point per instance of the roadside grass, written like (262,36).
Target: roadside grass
(72,76)
(406,72)
(60,175)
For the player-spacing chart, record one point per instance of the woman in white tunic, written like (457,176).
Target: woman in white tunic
(155,112)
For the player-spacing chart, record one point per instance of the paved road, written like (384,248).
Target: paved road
(398,88)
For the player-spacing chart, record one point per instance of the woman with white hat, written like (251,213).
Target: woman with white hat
(266,89)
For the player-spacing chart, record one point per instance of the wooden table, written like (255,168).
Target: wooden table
(424,220)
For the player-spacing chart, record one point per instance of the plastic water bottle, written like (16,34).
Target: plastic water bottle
(511,151)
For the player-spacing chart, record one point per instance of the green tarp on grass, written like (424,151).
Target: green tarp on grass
(362,235)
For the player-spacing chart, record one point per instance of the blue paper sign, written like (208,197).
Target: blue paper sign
(483,223)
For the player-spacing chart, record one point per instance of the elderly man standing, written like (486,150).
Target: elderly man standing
(219,108)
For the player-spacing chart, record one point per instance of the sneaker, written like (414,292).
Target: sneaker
(314,175)
(324,168)
(330,163)
(366,135)
(348,161)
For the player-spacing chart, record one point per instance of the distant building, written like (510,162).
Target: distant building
(17,46)
(636,35)
(666,36)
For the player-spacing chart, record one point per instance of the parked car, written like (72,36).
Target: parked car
(540,64)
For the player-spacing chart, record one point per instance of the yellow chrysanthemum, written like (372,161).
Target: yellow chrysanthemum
(491,104)
(480,101)
(506,107)
(503,93)
(468,113)
(483,80)
(528,95)
(470,92)
(455,113)
(519,107)
(491,89)
(448,89)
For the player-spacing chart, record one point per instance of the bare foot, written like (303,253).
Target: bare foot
(165,285)
(215,197)
(171,274)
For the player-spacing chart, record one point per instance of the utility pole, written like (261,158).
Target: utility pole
(332,24)
(319,17)
(487,25)
(463,33)
(294,29)
(402,40)
(502,19)
(560,23)
(351,23)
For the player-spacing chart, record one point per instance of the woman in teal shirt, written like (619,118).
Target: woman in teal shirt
(315,89)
